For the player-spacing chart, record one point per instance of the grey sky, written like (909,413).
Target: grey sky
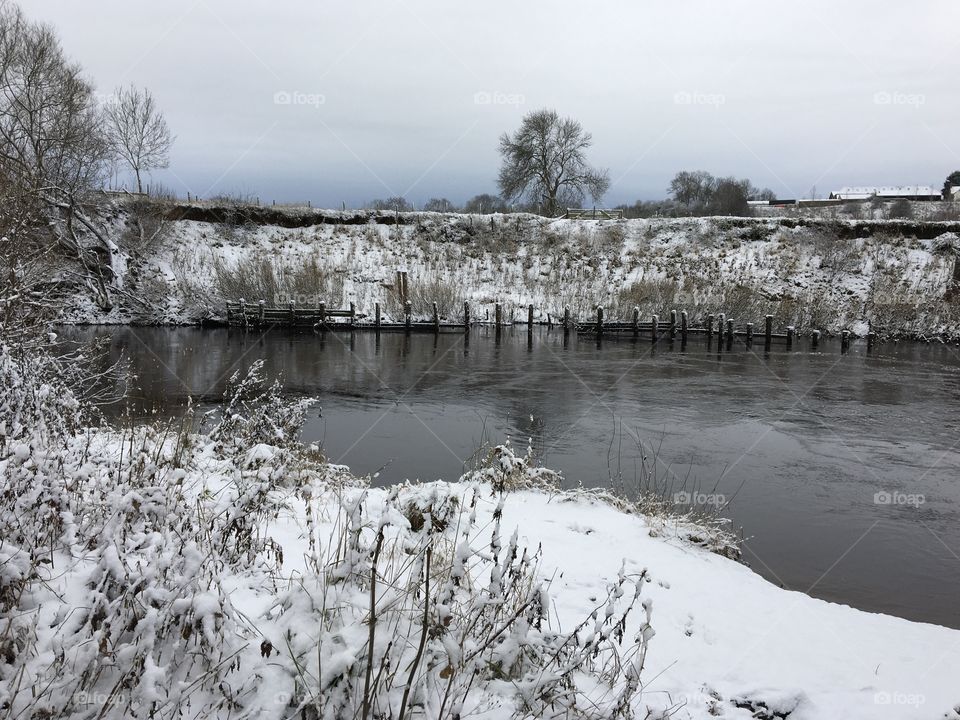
(410,97)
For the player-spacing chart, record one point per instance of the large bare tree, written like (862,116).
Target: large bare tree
(138,131)
(545,163)
(52,146)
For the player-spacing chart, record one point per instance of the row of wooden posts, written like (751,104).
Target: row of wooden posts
(676,325)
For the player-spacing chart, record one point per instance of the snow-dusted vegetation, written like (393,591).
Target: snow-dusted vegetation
(154,571)
(894,276)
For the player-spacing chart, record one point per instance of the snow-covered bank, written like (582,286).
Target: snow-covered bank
(827,274)
(154,572)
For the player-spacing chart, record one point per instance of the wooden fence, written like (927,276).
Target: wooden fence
(672,327)
(593,214)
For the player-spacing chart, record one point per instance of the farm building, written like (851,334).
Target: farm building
(887,192)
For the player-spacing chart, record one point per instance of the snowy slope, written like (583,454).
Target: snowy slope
(827,274)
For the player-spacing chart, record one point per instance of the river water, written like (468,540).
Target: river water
(841,468)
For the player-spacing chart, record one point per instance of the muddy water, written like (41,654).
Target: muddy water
(842,469)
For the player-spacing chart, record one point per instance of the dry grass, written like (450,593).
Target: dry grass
(262,277)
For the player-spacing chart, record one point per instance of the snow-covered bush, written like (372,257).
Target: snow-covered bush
(255,413)
(426,613)
(123,555)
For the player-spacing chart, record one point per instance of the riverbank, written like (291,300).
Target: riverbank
(154,571)
(181,264)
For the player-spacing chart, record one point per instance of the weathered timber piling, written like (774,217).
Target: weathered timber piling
(599,320)
(709,327)
(768,330)
(376,316)
(530,317)
(844,340)
(749,333)
(790,332)
(466,316)
(323,315)
(408,314)
(566,320)
(293,313)
(730,330)
(497,315)
(436,318)
(654,323)
(871,338)
(673,324)
(814,338)
(261,307)
(683,326)
(636,321)
(353,315)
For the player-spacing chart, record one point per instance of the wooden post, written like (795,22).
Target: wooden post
(654,323)
(790,332)
(353,315)
(673,324)
(749,333)
(815,338)
(566,320)
(497,315)
(710,326)
(408,313)
(599,320)
(844,340)
(636,321)
(293,314)
(323,315)
(730,330)
(260,311)
(243,311)
(436,319)
(683,326)
(530,317)
(768,330)
(466,316)
(376,315)
(720,324)
(871,337)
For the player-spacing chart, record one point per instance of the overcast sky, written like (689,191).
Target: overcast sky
(296,100)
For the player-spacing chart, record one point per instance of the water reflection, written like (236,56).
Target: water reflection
(804,438)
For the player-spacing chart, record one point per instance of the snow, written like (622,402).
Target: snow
(719,639)
(520,259)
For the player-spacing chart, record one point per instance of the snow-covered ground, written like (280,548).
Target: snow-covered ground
(824,274)
(154,572)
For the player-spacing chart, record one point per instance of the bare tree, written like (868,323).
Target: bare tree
(485,203)
(544,162)
(52,145)
(50,125)
(138,131)
(441,205)
(692,187)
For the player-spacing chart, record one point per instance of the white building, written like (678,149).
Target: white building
(887,192)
